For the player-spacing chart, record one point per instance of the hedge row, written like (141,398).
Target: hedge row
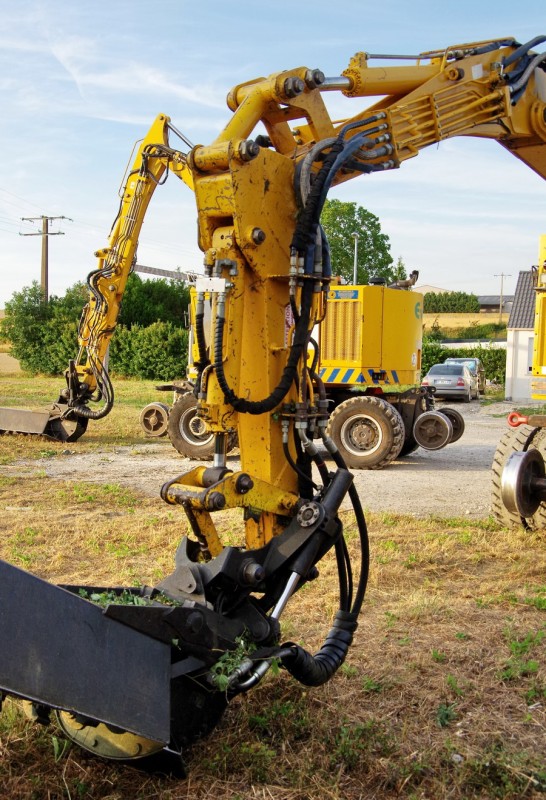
(450,302)
(44,336)
(157,352)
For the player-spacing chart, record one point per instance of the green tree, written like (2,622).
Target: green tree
(27,315)
(44,336)
(340,221)
(149,301)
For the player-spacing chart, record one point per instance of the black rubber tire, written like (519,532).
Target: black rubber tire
(457,422)
(368,431)
(409,446)
(468,398)
(189,444)
(516,440)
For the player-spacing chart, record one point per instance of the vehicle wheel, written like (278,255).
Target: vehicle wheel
(457,423)
(368,431)
(409,446)
(187,433)
(516,440)
(468,397)
(432,430)
(154,419)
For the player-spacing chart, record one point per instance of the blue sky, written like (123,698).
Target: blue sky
(80,83)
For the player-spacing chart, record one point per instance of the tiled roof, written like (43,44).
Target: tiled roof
(522,315)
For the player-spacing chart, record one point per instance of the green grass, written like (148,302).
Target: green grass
(120,428)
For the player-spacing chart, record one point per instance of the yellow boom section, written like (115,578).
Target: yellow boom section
(107,282)
(538,379)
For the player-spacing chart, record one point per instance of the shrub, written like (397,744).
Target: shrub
(44,336)
(160,352)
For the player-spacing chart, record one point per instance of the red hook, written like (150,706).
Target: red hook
(515,419)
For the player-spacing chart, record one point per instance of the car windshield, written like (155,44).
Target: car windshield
(446,369)
(469,362)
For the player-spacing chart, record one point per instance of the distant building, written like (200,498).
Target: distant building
(519,340)
(490,303)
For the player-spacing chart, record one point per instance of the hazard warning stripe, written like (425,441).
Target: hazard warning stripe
(356,376)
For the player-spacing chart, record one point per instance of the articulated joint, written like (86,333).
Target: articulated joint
(216,157)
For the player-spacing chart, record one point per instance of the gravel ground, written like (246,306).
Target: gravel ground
(454,481)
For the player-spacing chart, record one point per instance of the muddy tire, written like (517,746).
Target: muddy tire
(516,440)
(184,433)
(368,431)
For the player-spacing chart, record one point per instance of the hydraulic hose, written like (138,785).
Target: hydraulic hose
(522,81)
(290,371)
(315,670)
(522,50)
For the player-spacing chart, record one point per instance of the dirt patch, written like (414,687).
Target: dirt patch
(8,364)
(451,482)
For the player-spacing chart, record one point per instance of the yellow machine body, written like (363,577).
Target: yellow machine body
(372,337)
(538,379)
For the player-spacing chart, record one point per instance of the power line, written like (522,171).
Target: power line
(26,202)
(45,233)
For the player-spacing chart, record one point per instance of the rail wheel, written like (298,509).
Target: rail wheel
(368,431)
(188,433)
(433,430)
(516,440)
(457,423)
(154,419)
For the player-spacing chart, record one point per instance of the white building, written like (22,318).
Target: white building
(519,341)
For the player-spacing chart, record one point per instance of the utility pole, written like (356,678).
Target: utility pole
(502,276)
(44,233)
(356,237)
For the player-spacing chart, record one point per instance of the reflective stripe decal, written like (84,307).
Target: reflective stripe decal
(356,376)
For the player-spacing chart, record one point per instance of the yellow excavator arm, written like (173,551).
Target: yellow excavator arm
(88,374)
(259,200)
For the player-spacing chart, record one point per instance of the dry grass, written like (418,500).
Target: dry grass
(443,694)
